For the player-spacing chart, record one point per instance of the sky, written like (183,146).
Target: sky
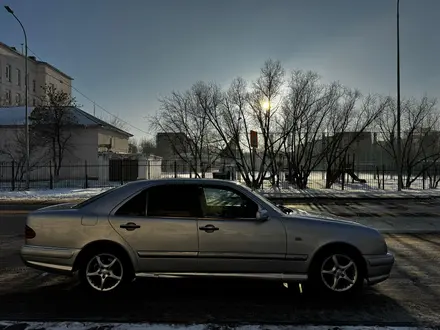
(125,55)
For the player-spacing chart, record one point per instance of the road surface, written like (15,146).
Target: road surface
(410,296)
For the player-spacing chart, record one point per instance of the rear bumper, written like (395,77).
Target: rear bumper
(379,267)
(49,259)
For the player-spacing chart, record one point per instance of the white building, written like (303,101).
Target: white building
(12,78)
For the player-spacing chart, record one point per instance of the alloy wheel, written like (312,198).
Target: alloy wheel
(104,272)
(339,273)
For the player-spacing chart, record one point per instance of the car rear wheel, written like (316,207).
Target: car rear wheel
(337,272)
(104,272)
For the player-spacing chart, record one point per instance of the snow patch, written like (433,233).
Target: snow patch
(51,194)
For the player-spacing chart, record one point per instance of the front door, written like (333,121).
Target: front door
(232,240)
(160,225)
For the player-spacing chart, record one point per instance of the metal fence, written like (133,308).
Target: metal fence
(114,174)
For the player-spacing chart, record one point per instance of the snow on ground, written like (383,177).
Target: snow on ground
(65,194)
(150,326)
(51,194)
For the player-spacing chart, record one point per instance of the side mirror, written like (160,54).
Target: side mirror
(262,215)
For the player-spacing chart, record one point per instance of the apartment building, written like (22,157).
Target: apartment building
(40,74)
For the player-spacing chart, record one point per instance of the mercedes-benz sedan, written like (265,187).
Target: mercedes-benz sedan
(200,228)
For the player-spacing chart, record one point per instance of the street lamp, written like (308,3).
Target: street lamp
(399,141)
(10,11)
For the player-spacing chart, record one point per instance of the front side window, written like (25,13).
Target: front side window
(174,201)
(228,203)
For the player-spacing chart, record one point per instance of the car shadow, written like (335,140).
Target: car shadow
(202,301)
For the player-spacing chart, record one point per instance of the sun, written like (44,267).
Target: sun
(265,105)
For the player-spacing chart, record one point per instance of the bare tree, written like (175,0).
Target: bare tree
(114,121)
(133,146)
(349,117)
(147,146)
(183,118)
(420,143)
(52,122)
(265,101)
(14,148)
(304,115)
(243,111)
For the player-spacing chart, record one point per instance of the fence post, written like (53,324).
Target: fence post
(149,170)
(343,180)
(50,175)
(376,177)
(424,178)
(175,169)
(122,171)
(383,176)
(86,185)
(190,169)
(13,175)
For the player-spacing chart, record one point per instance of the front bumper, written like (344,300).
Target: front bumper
(49,259)
(378,267)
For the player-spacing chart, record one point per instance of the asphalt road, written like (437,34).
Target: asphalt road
(409,297)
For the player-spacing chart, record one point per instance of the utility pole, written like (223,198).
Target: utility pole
(399,141)
(10,11)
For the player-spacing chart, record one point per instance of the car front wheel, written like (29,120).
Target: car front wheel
(337,272)
(103,272)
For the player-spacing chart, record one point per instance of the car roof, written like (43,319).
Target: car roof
(183,181)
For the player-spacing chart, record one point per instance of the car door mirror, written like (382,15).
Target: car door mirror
(262,215)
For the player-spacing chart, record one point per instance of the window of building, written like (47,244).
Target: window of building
(228,203)
(8,72)
(174,201)
(34,85)
(18,77)
(17,99)
(8,97)
(34,102)
(52,86)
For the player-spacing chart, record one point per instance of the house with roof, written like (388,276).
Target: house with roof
(89,138)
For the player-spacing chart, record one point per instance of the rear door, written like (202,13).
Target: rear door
(160,224)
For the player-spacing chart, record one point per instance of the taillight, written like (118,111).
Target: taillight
(29,233)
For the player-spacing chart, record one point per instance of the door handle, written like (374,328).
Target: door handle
(209,228)
(130,226)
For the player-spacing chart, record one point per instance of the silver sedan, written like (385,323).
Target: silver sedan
(200,228)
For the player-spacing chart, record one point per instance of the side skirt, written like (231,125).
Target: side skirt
(263,276)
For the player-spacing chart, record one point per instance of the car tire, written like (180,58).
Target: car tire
(337,272)
(104,271)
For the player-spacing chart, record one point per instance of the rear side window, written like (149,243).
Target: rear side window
(95,198)
(135,206)
(174,201)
